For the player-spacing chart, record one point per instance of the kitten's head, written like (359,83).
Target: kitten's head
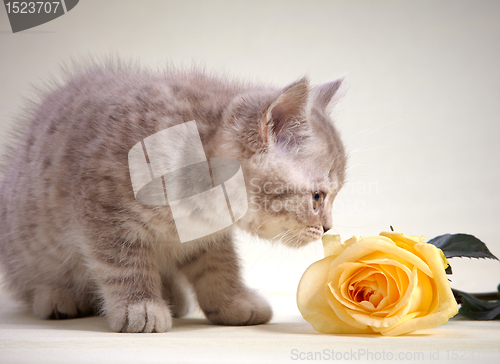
(292,158)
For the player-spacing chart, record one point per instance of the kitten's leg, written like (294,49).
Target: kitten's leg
(55,303)
(130,284)
(178,293)
(68,297)
(215,276)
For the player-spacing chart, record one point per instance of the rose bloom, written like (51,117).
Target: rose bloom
(389,284)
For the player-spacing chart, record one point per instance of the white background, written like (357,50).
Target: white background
(420,119)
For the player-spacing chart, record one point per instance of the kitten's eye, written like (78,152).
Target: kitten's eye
(317,199)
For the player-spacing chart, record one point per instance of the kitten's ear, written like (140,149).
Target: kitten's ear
(327,94)
(285,112)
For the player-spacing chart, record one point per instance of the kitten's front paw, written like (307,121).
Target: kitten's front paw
(249,308)
(142,316)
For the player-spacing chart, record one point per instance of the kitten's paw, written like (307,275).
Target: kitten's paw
(142,316)
(249,308)
(52,303)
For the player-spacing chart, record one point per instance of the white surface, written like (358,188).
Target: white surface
(24,339)
(420,120)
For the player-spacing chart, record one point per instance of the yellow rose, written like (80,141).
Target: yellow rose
(389,284)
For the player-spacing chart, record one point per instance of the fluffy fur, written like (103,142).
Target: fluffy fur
(73,239)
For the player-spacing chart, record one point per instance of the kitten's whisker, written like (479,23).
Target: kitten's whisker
(368,149)
(368,131)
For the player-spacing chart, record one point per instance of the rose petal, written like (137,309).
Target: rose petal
(407,242)
(397,313)
(352,272)
(364,277)
(351,310)
(367,305)
(403,239)
(380,244)
(406,281)
(412,282)
(332,245)
(394,288)
(422,296)
(398,282)
(353,240)
(340,291)
(343,314)
(381,279)
(314,306)
(447,306)
(344,273)
(385,330)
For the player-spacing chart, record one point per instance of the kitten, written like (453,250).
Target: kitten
(74,240)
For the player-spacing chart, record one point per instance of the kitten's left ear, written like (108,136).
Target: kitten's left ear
(327,94)
(282,116)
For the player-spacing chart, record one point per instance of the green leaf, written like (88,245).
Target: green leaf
(476,308)
(462,245)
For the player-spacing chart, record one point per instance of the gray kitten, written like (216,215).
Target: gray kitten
(74,240)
